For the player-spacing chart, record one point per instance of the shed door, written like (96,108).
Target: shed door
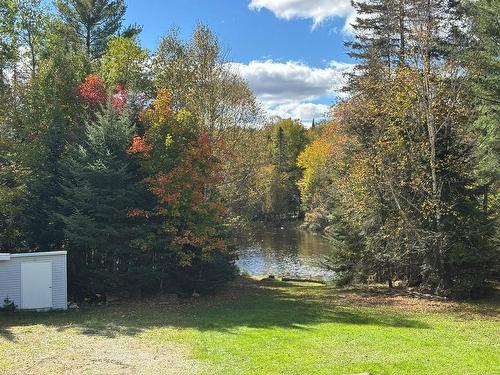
(36,285)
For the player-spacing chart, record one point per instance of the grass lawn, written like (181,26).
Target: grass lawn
(259,327)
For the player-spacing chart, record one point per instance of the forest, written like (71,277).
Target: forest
(144,165)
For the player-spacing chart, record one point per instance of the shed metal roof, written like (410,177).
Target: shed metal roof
(7,256)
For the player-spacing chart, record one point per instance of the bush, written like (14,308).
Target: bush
(8,305)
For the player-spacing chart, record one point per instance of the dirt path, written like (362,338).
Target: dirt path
(44,350)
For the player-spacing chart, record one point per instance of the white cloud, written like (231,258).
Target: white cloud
(303,111)
(289,89)
(293,89)
(317,10)
(277,82)
(351,19)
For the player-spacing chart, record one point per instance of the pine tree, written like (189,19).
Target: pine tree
(95,22)
(380,37)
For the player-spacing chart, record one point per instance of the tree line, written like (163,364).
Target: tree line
(143,165)
(404,178)
(115,153)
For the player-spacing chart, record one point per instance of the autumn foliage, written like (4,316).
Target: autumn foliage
(182,172)
(160,111)
(92,91)
(139,146)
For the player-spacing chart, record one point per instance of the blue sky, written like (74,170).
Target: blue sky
(290,51)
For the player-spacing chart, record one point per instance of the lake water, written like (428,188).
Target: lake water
(283,251)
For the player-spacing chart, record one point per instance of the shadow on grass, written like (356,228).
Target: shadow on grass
(5,332)
(251,304)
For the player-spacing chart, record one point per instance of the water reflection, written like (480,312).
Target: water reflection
(283,251)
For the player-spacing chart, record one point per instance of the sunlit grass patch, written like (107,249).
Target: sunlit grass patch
(260,327)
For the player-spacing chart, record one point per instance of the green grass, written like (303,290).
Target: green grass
(260,327)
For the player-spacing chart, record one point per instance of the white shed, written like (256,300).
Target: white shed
(34,281)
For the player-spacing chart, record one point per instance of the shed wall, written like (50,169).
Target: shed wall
(10,278)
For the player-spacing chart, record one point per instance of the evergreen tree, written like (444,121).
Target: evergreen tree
(95,22)
(102,186)
(280,151)
(380,37)
(50,111)
(45,230)
(13,173)
(482,61)
(484,65)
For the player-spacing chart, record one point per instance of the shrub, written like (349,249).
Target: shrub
(8,305)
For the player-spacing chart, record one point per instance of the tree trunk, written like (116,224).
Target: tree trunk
(402,42)
(87,40)
(437,244)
